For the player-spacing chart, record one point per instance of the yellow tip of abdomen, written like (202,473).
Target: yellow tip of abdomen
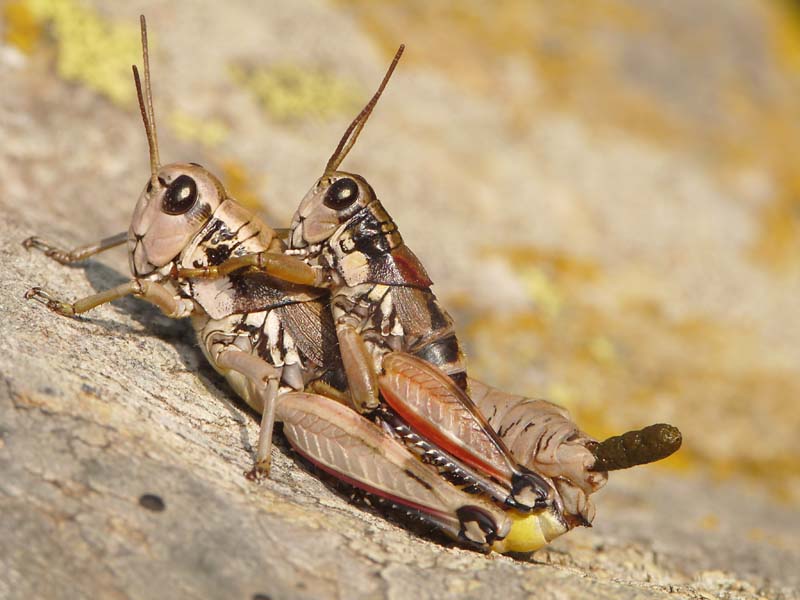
(529,532)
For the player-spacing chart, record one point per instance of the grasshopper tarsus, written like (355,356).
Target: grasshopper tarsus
(43,297)
(258,473)
(58,255)
(36,242)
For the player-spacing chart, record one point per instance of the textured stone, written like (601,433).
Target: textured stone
(651,238)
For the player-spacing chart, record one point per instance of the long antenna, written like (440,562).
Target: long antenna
(351,135)
(146,105)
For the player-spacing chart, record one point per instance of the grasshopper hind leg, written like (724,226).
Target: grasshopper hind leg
(440,412)
(346,445)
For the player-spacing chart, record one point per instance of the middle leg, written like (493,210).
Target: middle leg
(263,380)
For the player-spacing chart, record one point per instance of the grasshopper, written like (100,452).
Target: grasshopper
(406,367)
(389,322)
(264,323)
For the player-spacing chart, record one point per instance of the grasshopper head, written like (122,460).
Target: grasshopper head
(177,201)
(335,198)
(173,207)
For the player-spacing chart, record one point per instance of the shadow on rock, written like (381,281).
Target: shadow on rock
(177,332)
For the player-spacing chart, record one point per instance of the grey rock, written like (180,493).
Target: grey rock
(99,411)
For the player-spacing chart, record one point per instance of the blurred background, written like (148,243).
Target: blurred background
(606,192)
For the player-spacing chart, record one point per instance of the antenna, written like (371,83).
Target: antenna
(146,104)
(351,135)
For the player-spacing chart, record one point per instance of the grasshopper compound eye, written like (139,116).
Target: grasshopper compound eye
(181,196)
(343,193)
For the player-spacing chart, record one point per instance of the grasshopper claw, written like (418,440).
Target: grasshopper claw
(48,249)
(530,491)
(36,242)
(477,526)
(259,472)
(43,297)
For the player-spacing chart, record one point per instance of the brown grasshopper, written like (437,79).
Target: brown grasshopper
(390,324)
(382,305)
(194,252)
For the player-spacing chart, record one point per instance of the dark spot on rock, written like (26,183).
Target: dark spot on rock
(88,389)
(152,502)
(261,597)
(48,391)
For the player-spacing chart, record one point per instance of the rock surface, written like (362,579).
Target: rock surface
(606,198)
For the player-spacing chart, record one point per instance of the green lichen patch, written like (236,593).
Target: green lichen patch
(89,49)
(289,92)
(207,132)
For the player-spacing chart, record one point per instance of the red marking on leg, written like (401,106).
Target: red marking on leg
(443,439)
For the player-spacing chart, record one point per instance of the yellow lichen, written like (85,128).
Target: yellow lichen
(22,29)
(89,49)
(785,20)
(602,349)
(710,522)
(556,40)
(778,245)
(288,92)
(240,185)
(574,68)
(208,132)
(619,367)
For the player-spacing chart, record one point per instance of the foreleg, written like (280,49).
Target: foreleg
(359,367)
(67,257)
(170,304)
(281,266)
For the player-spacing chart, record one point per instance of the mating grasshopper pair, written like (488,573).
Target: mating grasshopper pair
(338,336)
